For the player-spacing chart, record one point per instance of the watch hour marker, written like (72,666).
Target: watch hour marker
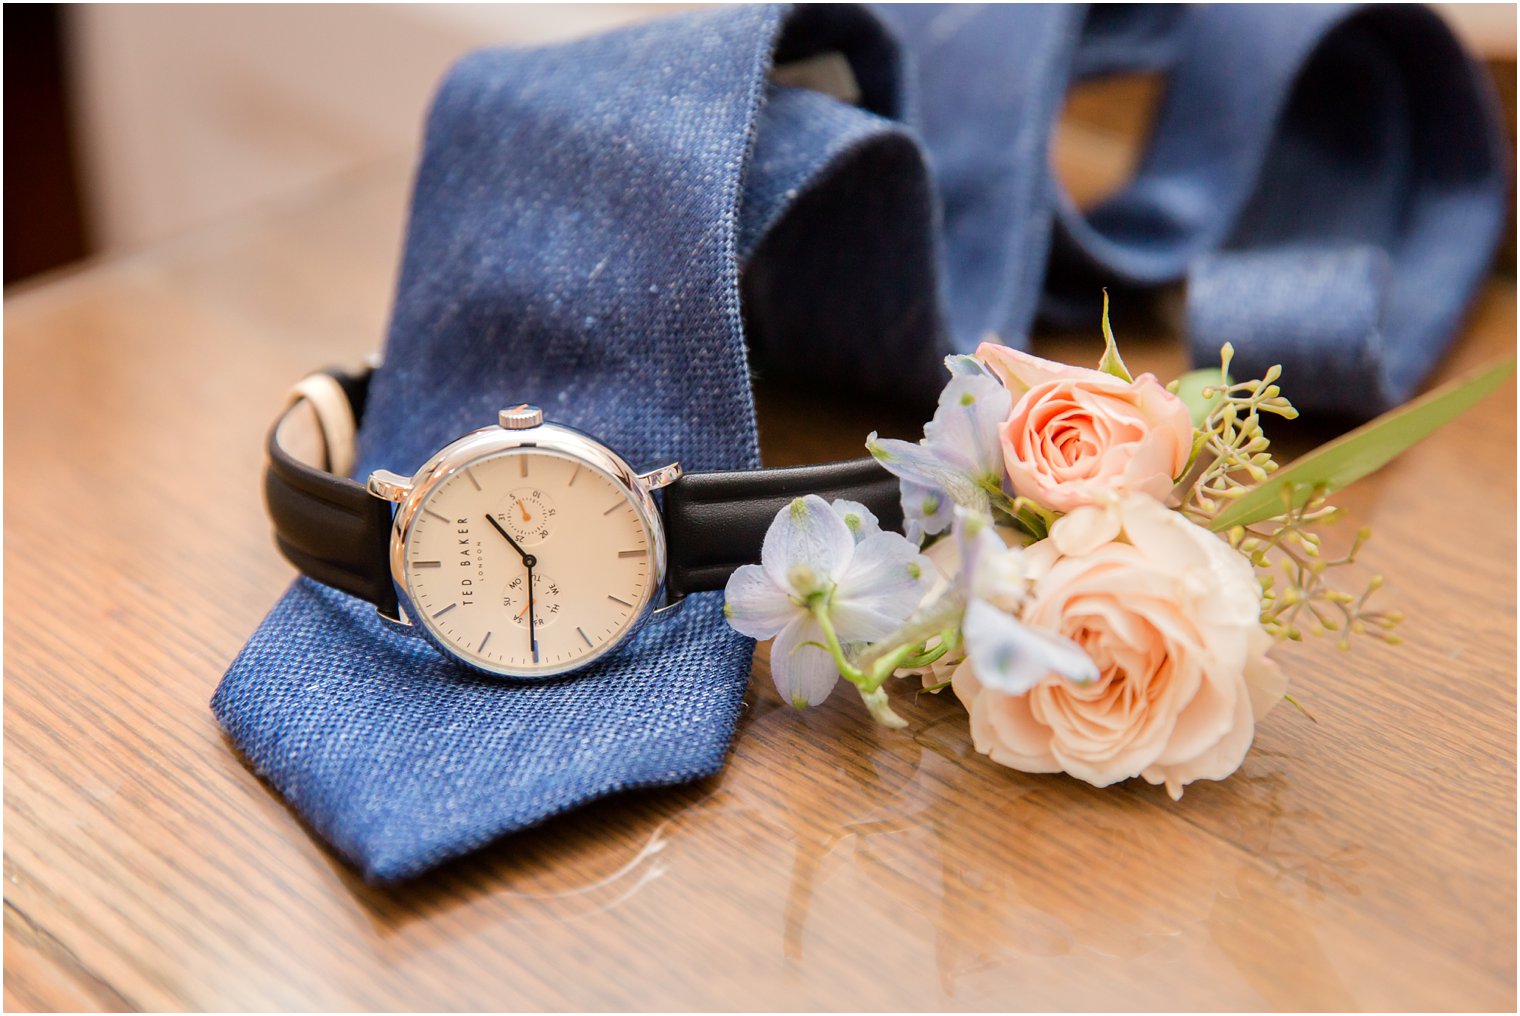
(427,564)
(586,638)
(445,610)
(441,518)
(630,553)
(522,464)
(614,508)
(471,475)
(574,475)
(483,643)
(614,599)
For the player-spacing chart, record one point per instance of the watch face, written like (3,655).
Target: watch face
(529,561)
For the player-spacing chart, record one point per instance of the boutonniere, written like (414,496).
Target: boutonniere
(1097,564)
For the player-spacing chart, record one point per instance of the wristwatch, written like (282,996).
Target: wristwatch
(526,549)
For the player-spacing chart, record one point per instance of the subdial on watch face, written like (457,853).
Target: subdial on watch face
(529,514)
(546,605)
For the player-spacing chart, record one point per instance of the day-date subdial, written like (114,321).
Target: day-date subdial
(546,605)
(528,514)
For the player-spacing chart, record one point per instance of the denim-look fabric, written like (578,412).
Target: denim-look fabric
(1327,181)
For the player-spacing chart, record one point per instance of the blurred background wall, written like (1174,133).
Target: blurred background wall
(125,125)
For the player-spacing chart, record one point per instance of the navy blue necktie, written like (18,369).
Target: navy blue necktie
(599,227)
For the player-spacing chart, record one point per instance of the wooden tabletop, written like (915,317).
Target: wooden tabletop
(1364,860)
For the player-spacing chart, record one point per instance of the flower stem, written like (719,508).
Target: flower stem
(881,709)
(869,684)
(889,664)
(847,670)
(925,658)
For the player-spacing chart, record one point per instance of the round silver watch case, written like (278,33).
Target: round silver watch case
(517,427)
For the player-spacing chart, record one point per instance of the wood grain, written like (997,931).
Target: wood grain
(1363,861)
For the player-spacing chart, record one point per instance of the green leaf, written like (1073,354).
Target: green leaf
(1111,363)
(1362,451)
(1189,388)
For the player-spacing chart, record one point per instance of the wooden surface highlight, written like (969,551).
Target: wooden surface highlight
(1366,860)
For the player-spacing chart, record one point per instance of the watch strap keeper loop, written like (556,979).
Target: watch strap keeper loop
(336,422)
(326,523)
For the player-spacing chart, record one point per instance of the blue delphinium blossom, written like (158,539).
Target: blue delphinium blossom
(828,561)
(926,510)
(862,522)
(1006,654)
(958,462)
(959,364)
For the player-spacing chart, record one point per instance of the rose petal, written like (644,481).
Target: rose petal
(1020,371)
(1214,764)
(1001,727)
(1266,683)
(1086,529)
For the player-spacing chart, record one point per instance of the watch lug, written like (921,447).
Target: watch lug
(662,477)
(389,486)
(400,620)
(668,611)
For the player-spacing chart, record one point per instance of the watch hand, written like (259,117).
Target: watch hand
(528,561)
(527,558)
(532,631)
(526,516)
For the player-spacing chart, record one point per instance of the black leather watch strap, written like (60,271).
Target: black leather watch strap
(715,522)
(329,526)
(335,531)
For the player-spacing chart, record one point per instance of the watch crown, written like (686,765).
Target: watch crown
(520,417)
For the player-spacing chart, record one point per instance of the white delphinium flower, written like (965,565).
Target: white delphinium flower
(828,575)
(959,462)
(1006,653)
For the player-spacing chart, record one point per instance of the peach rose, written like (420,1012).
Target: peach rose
(1171,616)
(1075,434)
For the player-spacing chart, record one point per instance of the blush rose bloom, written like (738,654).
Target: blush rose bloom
(1171,617)
(1076,436)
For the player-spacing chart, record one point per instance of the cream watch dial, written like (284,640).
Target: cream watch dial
(528,562)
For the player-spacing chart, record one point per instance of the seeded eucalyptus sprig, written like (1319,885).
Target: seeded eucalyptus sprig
(1231,453)
(1273,515)
(1297,595)
(1232,459)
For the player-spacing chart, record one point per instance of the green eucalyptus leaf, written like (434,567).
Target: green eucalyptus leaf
(1362,451)
(1112,363)
(1190,388)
